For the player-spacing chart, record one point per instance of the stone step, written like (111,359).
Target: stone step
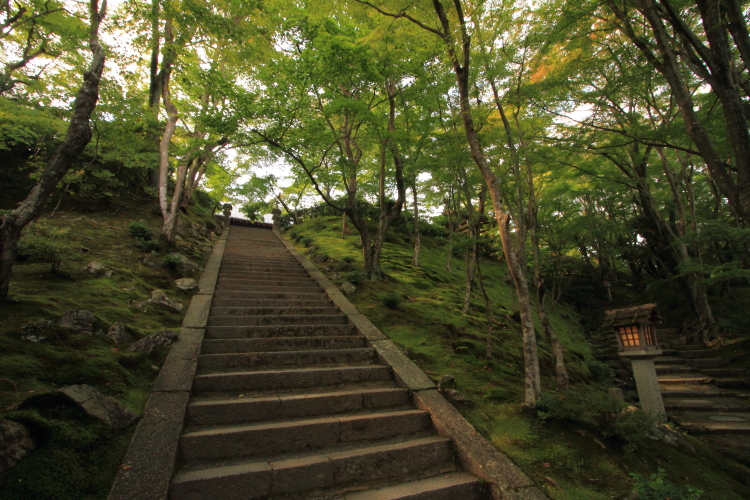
(301,273)
(669,360)
(713,423)
(666,369)
(275,331)
(270,278)
(263,360)
(268,438)
(322,319)
(453,486)
(682,391)
(268,290)
(288,378)
(696,353)
(677,341)
(667,331)
(274,311)
(724,372)
(715,404)
(247,409)
(254,480)
(308,283)
(681,378)
(223,346)
(245,295)
(269,303)
(241,260)
(707,363)
(730,382)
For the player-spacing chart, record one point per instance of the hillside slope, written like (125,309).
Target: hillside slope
(420,309)
(77,456)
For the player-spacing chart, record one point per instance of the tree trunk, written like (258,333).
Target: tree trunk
(417,240)
(77,137)
(532,380)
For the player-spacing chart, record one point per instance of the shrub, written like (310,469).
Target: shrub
(590,407)
(140,229)
(600,372)
(148,245)
(354,277)
(306,241)
(293,234)
(390,300)
(658,488)
(42,242)
(171,261)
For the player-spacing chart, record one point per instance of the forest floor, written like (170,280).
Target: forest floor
(420,310)
(77,456)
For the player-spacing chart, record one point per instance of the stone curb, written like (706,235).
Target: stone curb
(149,463)
(477,455)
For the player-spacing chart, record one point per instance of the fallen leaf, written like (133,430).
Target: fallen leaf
(126,467)
(554,483)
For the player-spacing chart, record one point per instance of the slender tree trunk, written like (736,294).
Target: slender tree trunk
(417,240)
(77,137)
(387,217)
(487,310)
(460,65)
(469,258)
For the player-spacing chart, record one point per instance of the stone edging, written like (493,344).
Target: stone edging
(150,460)
(477,455)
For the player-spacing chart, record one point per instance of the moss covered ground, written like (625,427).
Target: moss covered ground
(77,456)
(567,459)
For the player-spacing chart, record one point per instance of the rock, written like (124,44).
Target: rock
(147,344)
(15,443)
(152,261)
(99,406)
(80,320)
(94,267)
(118,333)
(348,288)
(108,274)
(186,284)
(185,263)
(159,297)
(37,331)
(616,393)
(670,436)
(456,397)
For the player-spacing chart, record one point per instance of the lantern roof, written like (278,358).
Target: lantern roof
(644,314)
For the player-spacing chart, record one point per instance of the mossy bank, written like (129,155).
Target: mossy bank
(77,456)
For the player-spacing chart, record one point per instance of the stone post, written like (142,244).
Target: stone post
(227,212)
(275,215)
(646,381)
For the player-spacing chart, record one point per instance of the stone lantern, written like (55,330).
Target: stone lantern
(227,212)
(275,216)
(635,330)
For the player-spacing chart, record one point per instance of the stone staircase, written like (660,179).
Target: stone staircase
(289,402)
(701,393)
